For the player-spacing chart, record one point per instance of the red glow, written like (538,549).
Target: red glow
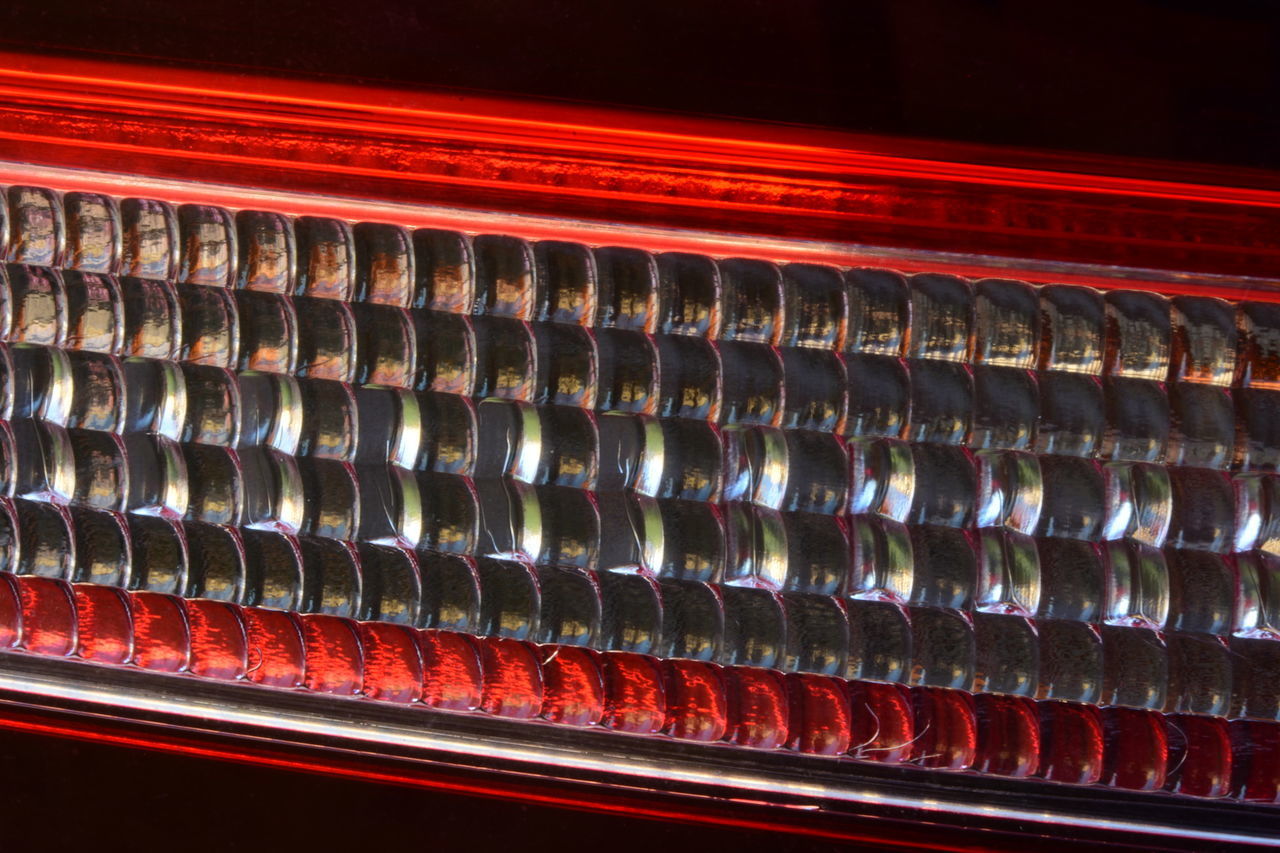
(759,707)
(820,715)
(1137,748)
(10,611)
(512,678)
(161,641)
(48,616)
(1070,742)
(573,687)
(1257,761)
(333,654)
(1008,735)
(105,625)
(277,657)
(219,646)
(946,728)
(883,721)
(392,662)
(451,676)
(635,700)
(696,707)
(1199,755)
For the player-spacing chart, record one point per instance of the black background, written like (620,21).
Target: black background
(1178,80)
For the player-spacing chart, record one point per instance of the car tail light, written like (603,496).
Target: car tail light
(673,456)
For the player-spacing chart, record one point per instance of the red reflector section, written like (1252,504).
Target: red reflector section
(160,634)
(1070,742)
(392,662)
(333,654)
(883,721)
(105,625)
(451,675)
(759,707)
(1199,756)
(48,616)
(512,678)
(820,715)
(946,728)
(1008,735)
(573,687)
(1137,752)
(10,612)
(635,700)
(696,707)
(1257,761)
(219,648)
(276,654)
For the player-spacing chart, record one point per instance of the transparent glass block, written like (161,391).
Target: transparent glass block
(1006,408)
(42,384)
(1138,335)
(819,553)
(1072,414)
(1203,510)
(689,295)
(214,484)
(882,477)
(1072,330)
(93,232)
(946,486)
(40,306)
(818,473)
(756,465)
(1138,585)
(450,513)
(879,396)
(274,498)
(326,258)
(388,346)
(504,277)
(1257,612)
(274,563)
(882,567)
(160,554)
(570,448)
(155,397)
(1202,425)
(216,568)
(640,546)
(36,225)
(326,338)
(446,354)
(1257,429)
(44,461)
(570,528)
(1203,341)
(102,473)
(752,301)
(880,640)
(568,362)
(268,257)
(1007,324)
(1072,579)
(392,585)
(1135,667)
(628,282)
(207,235)
(571,607)
(1200,675)
(632,453)
(942,646)
(694,541)
(816,390)
(509,598)
(946,567)
(755,632)
(690,378)
(879,312)
(47,540)
(1259,366)
(1203,590)
(149,239)
(752,383)
(817,634)
(103,551)
(332,506)
(1008,573)
(1006,655)
(509,440)
(692,461)
(328,420)
(210,326)
(1010,490)
(449,433)
(1075,498)
(384,265)
(390,506)
(445,271)
(268,332)
(941,401)
(450,592)
(1138,420)
(942,317)
(1071,665)
(271,411)
(756,547)
(632,613)
(817,307)
(628,372)
(567,273)
(95,312)
(693,622)
(1255,681)
(510,519)
(506,360)
(389,425)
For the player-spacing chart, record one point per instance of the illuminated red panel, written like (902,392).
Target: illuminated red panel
(160,638)
(883,721)
(820,715)
(276,654)
(1070,742)
(1257,761)
(392,662)
(759,707)
(635,700)
(1199,755)
(219,646)
(512,678)
(1137,751)
(48,616)
(10,612)
(1008,735)
(105,626)
(946,728)
(696,705)
(333,654)
(573,687)
(452,679)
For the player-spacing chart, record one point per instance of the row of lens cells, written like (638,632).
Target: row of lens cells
(928,480)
